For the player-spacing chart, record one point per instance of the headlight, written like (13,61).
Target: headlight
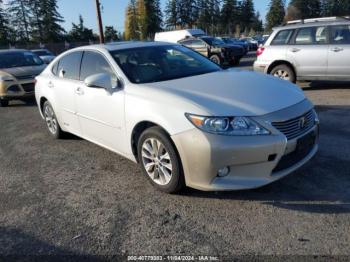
(230,126)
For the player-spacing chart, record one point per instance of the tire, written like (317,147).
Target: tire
(4,103)
(51,121)
(161,162)
(284,72)
(216,59)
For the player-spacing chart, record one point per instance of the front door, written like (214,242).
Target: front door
(339,53)
(100,113)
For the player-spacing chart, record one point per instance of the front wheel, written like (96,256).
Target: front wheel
(216,59)
(51,121)
(159,160)
(284,72)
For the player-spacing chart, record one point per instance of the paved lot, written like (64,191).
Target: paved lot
(72,197)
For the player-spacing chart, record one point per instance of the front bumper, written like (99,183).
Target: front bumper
(17,89)
(252,160)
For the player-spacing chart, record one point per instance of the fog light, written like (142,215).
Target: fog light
(223,171)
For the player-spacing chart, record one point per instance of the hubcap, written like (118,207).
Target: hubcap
(282,74)
(215,60)
(50,119)
(156,161)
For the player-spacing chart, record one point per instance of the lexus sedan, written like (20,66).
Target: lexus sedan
(18,68)
(184,119)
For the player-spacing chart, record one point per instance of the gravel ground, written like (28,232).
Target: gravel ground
(71,197)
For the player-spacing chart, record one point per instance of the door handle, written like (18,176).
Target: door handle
(295,50)
(337,49)
(50,85)
(79,91)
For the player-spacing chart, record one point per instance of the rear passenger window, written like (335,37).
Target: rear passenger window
(340,34)
(282,37)
(311,35)
(69,66)
(94,63)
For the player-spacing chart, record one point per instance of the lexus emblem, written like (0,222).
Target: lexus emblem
(302,122)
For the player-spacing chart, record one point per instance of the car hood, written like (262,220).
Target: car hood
(234,92)
(29,71)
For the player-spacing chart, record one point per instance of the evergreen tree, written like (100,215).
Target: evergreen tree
(301,9)
(229,16)
(257,24)
(52,30)
(80,33)
(172,19)
(36,21)
(247,14)
(131,22)
(111,34)
(275,15)
(142,18)
(19,11)
(4,26)
(209,16)
(335,7)
(188,13)
(154,17)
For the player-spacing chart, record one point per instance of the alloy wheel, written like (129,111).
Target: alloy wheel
(156,161)
(50,119)
(282,74)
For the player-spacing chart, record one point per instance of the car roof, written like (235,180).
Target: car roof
(42,49)
(301,23)
(123,45)
(12,51)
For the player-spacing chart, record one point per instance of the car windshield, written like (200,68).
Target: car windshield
(19,59)
(42,53)
(162,63)
(213,41)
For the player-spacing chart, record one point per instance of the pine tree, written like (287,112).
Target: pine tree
(19,11)
(229,16)
(247,14)
(111,34)
(188,13)
(80,33)
(275,15)
(257,24)
(131,24)
(142,17)
(172,14)
(154,17)
(335,7)
(209,16)
(301,9)
(52,30)
(35,21)
(4,26)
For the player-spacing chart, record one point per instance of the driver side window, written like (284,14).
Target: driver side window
(94,63)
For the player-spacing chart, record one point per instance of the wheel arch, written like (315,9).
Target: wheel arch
(281,62)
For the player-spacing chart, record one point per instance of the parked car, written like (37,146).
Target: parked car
(183,118)
(18,68)
(312,49)
(232,41)
(253,44)
(177,35)
(215,49)
(45,55)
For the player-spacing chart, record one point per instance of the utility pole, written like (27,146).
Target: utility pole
(99,21)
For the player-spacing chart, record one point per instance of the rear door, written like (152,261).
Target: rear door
(309,52)
(64,86)
(339,53)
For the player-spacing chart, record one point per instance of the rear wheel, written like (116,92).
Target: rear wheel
(284,72)
(4,102)
(216,59)
(159,160)
(51,121)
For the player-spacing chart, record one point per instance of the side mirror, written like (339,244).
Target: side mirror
(102,81)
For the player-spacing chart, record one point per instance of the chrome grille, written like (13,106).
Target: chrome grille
(296,127)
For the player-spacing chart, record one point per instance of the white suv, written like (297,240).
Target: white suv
(182,117)
(312,49)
